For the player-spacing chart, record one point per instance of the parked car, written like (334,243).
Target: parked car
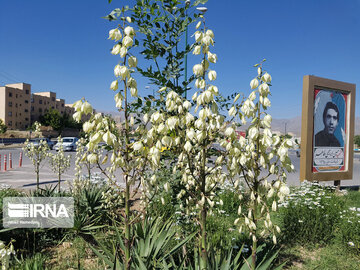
(69,144)
(36,142)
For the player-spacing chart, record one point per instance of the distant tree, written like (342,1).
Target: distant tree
(52,118)
(357,140)
(69,122)
(58,122)
(3,127)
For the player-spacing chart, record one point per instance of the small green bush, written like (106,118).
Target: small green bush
(9,192)
(36,262)
(163,203)
(349,224)
(311,214)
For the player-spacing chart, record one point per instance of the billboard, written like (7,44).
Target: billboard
(327,129)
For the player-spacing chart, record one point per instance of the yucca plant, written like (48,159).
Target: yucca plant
(265,260)
(48,191)
(153,247)
(217,260)
(90,200)
(37,262)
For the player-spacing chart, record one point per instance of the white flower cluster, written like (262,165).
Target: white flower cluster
(191,136)
(80,181)
(258,156)
(81,107)
(59,162)
(5,254)
(123,71)
(351,215)
(309,194)
(113,200)
(37,126)
(102,133)
(36,153)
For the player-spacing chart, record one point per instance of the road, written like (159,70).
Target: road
(25,178)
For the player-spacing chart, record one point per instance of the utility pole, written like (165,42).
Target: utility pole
(187,3)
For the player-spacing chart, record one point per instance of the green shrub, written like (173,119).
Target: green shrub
(36,262)
(9,192)
(311,214)
(155,244)
(349,224)
(165,203)
(48,191)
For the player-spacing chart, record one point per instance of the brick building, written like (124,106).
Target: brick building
(19,108)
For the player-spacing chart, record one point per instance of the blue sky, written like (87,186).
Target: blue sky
(62,46)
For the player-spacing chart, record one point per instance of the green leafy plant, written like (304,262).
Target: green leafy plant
(153,248)
(349,224)
(89,215)
(311,214)
(357,140)
(3,127)
(36,262)
(48,191)
(57,121)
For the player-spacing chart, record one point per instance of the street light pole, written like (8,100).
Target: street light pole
(187,3)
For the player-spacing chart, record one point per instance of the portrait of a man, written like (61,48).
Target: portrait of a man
(329,130)
(331,117)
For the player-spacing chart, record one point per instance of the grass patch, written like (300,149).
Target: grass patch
(332,256)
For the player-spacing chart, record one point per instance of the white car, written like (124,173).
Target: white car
(69,144)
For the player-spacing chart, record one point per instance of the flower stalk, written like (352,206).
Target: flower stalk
(259,152)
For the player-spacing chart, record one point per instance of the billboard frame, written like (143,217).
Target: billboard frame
(310,83)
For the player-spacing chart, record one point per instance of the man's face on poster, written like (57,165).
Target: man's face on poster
(331,121)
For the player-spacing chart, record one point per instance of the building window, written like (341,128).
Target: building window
(32,108)
(26,101)
(53,99)
(32,99)
(10,104)
(16,96)
(27,92)
(26,110)
(52,107)
(62,105)
(40,110)
(40,101)
(10,123)
(10,113)
(16,105)
(26,119)
(10,94)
